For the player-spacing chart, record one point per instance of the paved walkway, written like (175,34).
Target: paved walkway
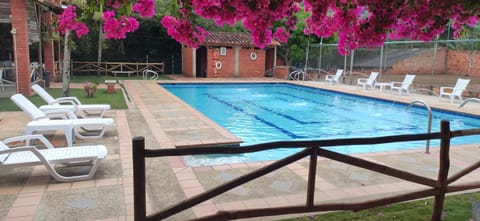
(31,194)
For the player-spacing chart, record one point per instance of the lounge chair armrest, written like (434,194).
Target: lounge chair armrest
(442,89)
(72,100)
(362,80)
(396,83)
(64,101)
(329,76)
(29,137)
(60,113)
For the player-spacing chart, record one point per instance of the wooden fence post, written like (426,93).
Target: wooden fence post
(312,174)
(443,170)
(139,194)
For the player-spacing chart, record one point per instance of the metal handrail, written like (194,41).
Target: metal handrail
(295,75)
(473,99)
(429,129)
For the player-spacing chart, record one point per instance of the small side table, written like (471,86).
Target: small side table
(383,85)
(110,86)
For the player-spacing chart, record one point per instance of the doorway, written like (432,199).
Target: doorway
(201,62)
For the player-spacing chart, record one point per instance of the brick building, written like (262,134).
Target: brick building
(20,25)
(227,55)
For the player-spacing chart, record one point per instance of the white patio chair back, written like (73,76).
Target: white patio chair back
(372,78)
(43,93)
(460,86)
(407,81)
(28,107)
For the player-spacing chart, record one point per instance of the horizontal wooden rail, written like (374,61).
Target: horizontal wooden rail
(116,67)
(437,188)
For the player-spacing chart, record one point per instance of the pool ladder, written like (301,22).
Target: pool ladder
(474,99)
(427,146)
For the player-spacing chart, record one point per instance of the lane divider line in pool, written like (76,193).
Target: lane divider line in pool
(237,108)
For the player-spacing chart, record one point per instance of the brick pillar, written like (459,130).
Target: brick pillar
(48,50)
(18,10)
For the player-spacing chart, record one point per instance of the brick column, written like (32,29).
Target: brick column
(48,50)
(18,10)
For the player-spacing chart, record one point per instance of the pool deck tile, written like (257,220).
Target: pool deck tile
(155,113)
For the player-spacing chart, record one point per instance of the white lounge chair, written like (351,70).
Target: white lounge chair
(368,82)
(70,125)
(83,110)
(403,86)
(456,91)
(332,79)
(20,156)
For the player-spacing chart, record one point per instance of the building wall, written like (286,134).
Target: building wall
(249,67)
(187,61)
(463,62)
(227,62)
(246,67)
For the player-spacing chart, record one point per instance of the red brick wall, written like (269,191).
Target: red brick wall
(448,62)
(48,51)
(187,61)
(280,72)
(421,64)
(458,62)
(228,64)
(18,9)
(249,67)
(246,67)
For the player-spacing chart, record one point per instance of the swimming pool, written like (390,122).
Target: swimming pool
(266,112)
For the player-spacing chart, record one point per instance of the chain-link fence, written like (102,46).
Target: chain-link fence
(435,63)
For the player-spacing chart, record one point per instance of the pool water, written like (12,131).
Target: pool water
(266,112)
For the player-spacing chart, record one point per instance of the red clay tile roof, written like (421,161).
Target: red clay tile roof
(229,38)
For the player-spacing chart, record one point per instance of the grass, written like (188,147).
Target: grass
(456,208)
(116,100)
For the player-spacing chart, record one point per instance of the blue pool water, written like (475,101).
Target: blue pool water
(259,113)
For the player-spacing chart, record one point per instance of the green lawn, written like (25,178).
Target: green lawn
(116,100)
(456,208)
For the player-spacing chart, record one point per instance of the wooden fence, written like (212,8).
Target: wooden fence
(437,188)
(107,68)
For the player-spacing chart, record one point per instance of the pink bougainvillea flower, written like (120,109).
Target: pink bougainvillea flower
(183,31)
(281,35)
(146,8)
(67,21)
(118,29)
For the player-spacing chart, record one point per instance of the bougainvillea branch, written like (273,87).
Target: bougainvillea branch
(116,25)
(357,23)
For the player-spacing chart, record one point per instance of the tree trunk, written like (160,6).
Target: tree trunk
(66,65)
(99,58)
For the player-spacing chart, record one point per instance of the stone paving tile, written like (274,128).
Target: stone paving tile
(156,114)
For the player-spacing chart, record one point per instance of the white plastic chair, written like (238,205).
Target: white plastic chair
(69,124)
(332,79)
(368,82)
(456,91)
(148,72)
(21,156)
(83,110)
(403,86)
(4,83)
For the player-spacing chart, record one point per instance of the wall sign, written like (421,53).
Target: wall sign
(223,51)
